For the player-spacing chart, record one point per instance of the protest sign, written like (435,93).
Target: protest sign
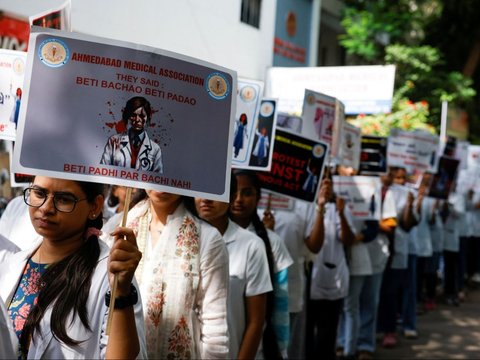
(349,146)
(297,166)
(263,133)
(373,155)
(275,202)
(320,119)
(15,23)
(249,95)
(461,153)
(362,195)
(91,101)
(442,181)
(416,151)
(362,89)
(291,122)
(14,32)
(12,72)
(54,18)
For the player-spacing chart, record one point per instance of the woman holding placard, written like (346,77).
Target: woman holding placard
(249,277)
(56,292)
(183,278)
(244,213)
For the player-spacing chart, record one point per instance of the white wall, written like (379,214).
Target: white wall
(207,29)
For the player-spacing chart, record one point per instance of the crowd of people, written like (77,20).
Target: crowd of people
(197,278)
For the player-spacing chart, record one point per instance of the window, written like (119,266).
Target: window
(250,13)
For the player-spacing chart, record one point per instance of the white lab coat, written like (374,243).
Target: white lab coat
(117,152)
(44,344)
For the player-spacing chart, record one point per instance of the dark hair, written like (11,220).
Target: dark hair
(66,283)
(269,340)
(243,119)
(112,200)
(133,104)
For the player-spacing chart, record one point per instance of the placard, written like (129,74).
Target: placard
(249,96)
(349,145)
(120,113)
(442,181)
(362,195)
(260,157)
(297,166)
(373,155)
(366,89)
(320,120)
(416,151)
(12,73)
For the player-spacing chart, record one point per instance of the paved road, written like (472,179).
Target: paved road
(445,333)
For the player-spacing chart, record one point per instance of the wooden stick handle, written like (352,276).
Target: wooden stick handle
(113,291)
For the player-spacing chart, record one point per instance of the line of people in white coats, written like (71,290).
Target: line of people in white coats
(307,282)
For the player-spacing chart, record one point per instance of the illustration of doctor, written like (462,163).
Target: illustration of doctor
(133,148)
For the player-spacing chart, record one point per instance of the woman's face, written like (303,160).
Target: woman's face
(163,201)
(138,119)
(400,177)
(55,225)
(211,210)
(244,203)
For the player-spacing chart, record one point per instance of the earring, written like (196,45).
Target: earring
(93,216)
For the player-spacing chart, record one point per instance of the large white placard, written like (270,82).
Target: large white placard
(362,89)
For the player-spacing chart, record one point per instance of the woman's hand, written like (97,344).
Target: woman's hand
(268,220)
(124,259)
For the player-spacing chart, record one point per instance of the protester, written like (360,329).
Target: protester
(409,288)
(368,259)
(299,229)
(291,225)
(473,220)
(115,201)
(424,210)
(249,277)
(183,278)
(451,213)
(396,269)
(244,213)
(59,307)
(330,276)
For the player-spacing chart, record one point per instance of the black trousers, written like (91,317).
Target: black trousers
(451,259)
(322,323)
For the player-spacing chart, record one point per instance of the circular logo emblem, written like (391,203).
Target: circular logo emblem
(310,99)
(53,53)
(217,86)
(291,24)
(248,93)
(18,66)
(266,109)
(318,151)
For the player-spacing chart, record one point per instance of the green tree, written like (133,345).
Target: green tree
(386,32)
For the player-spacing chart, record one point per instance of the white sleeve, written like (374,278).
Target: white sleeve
(212,296)
(7,336)
(258,274)
(388,206)
(281,256)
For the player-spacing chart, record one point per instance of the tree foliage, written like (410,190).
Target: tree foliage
(387,32)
